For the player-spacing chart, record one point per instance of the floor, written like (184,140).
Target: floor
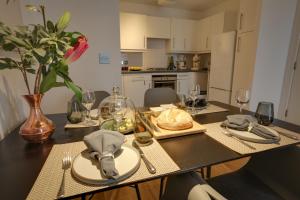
(150,190)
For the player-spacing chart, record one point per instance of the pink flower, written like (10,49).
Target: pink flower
(75,52)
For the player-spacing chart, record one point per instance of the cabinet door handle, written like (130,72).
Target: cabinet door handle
(144,82)
(238,48)
(206,45)
(241,20)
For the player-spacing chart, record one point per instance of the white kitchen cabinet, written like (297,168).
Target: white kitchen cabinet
(183,35)
(133,31)
(183,83)
(158,27)
(245,57)
(135,86)
(249,15)
(203,34)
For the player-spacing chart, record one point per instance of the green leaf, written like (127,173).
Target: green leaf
(48,81)
(17,41)
(8,46)
(77,90)
(50,26)
(41,52)
(63,22)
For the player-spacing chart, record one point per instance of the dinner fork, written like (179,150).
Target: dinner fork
(66,164)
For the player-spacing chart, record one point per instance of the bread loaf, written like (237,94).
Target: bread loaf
(175,119)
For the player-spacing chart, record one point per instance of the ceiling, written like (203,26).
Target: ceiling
(196,5)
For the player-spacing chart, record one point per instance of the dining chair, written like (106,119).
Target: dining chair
(100,95)
(272,175)
(189,186)
(157,96)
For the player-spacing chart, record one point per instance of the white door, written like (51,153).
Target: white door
(190,35)
(249,15)
(135,86)
(177,31)
(158,27)
(133,31)
(245,57)
(293,111)
(222,60)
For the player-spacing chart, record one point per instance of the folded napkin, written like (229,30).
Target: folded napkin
(238,122)
(264,133)
(103,144)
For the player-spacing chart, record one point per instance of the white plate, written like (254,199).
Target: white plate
(85,169)
(251,137)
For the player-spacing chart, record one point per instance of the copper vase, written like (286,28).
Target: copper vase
(37,128)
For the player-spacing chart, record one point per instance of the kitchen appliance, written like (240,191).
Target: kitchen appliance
(171,65)
(164,80)
(181,62)
(221,69)
(196,62)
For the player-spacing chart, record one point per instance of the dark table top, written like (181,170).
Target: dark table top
(21,162)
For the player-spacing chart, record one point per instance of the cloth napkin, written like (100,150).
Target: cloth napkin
(238,122)
(264,133)
(103,144)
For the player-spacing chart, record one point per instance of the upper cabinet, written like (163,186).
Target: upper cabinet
(213,25)
(158,27)
(204,34)
(249,15)
(133,31)
(183,33)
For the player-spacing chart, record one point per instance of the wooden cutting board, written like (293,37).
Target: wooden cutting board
(164,133)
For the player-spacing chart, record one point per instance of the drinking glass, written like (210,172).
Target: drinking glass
(182,99)
(193,96)
(265,113)
(242,98)
(88,100)
(74,112)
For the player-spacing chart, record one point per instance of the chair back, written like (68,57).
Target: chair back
(157,96)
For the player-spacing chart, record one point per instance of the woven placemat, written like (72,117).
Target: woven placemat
(210,109)
(47,184)
(215,131)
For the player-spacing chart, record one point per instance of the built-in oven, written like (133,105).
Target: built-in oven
(164,80)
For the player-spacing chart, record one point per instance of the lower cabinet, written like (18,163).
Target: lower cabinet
(135,86)
(183,83)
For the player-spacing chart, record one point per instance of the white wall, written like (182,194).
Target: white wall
(12,109)
(99,21)
(158,10)
(274,38)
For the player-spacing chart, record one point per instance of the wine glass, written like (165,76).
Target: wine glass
(193,96)
(242,98)
(88,100)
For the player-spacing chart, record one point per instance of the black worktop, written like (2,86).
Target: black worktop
(162,71)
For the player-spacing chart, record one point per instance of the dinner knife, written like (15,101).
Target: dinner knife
(148,164)
(288,135)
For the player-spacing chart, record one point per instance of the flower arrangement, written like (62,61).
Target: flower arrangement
(43,50)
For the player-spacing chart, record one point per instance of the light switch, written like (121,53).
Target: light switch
(104,58)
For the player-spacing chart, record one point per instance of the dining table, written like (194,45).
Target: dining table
(21,161)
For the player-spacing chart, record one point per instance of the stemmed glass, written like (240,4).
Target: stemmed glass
(88,100)
(193,96)
(242,98)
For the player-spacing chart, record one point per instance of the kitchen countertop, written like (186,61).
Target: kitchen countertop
(162,71)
